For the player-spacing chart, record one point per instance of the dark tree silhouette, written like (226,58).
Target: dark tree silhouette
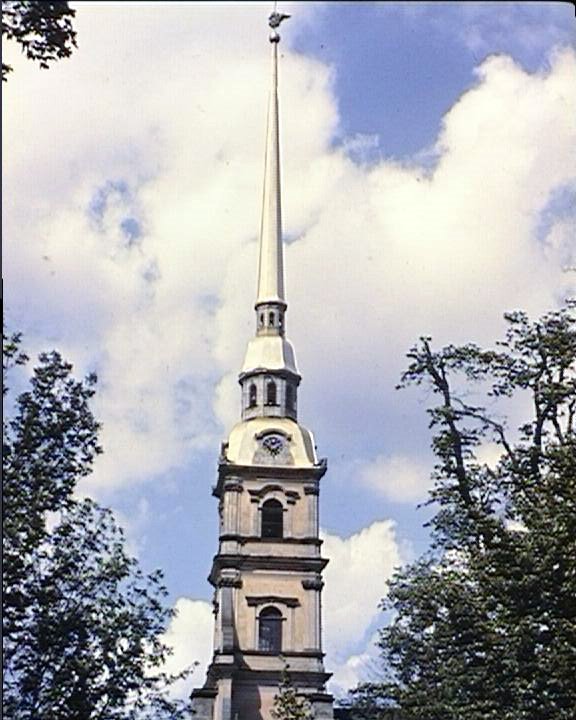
(43,30)
(484,626)
(81,621)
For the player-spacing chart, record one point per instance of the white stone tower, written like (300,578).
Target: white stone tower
(267,573)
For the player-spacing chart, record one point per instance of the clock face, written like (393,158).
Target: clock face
(273,443)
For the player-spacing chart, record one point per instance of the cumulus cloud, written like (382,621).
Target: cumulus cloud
(143,188)
(130,234)
(356,578)
(361,667)
(528,29)
(398,478)
(189,635)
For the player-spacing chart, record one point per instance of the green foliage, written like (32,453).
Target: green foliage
(288,704)
(81,622)
(485,625)
(43,30)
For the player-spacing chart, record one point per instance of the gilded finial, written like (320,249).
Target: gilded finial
(274,21)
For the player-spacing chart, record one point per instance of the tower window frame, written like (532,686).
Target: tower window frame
(272,519)
(252,395)
(271,393)
(270,621)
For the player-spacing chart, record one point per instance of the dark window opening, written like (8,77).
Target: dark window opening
(289,397)
(272,519)
(271,321)
(271,393)
(252,396)
(270,630)
(261,319)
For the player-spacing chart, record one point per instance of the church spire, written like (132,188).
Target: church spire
(269,376)
(271,266)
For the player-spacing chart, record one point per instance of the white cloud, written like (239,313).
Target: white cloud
(190,637)
(356,578)
(398,478)
(168,145)
(134,526)
(489,454)
(527,28)
(361,667)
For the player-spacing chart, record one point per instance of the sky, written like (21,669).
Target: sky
(429,156)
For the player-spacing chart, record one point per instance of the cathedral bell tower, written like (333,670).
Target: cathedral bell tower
(267,573)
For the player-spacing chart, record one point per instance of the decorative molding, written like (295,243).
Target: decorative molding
(243,539)
(229,582)
(275,472)
(288,654)
(292,497)
(255,495)
(232,666)
(229,577)
(255,600)
(312,583)
(264,562)
(311,490)
(273,431)
(233,486)
(266,489)
(262,473)
(283,374)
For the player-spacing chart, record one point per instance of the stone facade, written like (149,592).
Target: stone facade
(253,574)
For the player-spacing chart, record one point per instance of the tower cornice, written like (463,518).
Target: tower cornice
(270,472)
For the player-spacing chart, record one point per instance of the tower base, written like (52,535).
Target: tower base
(236,693)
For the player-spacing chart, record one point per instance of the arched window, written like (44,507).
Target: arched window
(272,519)
(252,396)
(271,393)
(270,630)
(289,397)
(271,320)
(261,319)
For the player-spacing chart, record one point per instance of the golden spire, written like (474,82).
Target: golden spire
(271,262)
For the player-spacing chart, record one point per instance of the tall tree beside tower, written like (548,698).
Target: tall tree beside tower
(485,624)
(81,621)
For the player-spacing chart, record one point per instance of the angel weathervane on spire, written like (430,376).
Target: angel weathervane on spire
(274,21)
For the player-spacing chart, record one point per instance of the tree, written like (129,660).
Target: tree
(288,704)
(43,30)
(81,621)
(484,625)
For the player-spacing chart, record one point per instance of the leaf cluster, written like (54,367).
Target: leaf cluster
(43,30)
(288,704)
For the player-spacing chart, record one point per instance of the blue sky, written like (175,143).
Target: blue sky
(428,169)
